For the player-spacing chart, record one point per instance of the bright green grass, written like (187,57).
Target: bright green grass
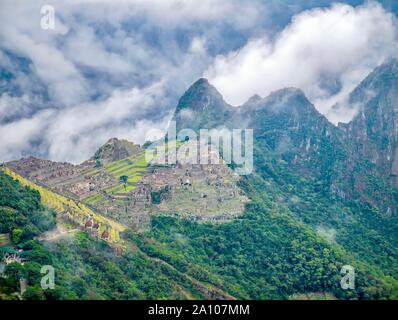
(113,188)
(134,168)
(115,165)
(130,172)
(119,165)
(94,198)
(121,188)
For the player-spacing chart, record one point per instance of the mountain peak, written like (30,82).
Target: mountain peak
(383,77)
(201,82)
(200,95)
(288,92)
(201,106)
(375,126)
(289,98)
(253,100)
(116,149)
(114,141)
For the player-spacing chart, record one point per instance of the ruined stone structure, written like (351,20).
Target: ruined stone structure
(199,191)
(62,177)
(141,196)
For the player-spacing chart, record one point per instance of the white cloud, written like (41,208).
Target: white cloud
(18,136)
(325,52)
(84,48)
(85,127)
(103,77)
(117,68)
(13,106)
(172,13)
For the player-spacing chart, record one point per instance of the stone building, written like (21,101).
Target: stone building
(141,196)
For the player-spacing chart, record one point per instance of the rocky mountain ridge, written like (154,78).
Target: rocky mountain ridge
(347,159)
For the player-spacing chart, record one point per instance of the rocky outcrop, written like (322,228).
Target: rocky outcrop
(115,149)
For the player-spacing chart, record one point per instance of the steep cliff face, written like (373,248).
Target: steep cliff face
(288,124)
(374,130)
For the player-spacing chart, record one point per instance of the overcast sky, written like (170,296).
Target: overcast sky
(117,68)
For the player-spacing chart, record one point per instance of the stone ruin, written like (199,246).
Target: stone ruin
(141,196)
(205,192)
(64,178)
(43,171)
(202,192)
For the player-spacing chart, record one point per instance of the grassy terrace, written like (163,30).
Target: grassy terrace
(133,167)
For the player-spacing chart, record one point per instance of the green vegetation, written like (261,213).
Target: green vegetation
(273,251)
(23,217)
(21,213)
(127,171)
(267,254)
(158,196)
(85,268)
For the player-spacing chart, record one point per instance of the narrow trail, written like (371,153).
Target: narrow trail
(55,234)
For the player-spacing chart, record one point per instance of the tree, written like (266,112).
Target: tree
(16,235)
(33,293)
(124,180)
(13,272)
(98,163)
(32,272)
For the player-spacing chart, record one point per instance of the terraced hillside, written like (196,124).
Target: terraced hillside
(117,199)
(100,186)
(74,210)
(132,190)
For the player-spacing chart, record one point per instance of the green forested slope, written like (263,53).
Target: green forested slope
(272,252)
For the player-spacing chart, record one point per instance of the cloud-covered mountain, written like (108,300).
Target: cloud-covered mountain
(356,161)
(118,70)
